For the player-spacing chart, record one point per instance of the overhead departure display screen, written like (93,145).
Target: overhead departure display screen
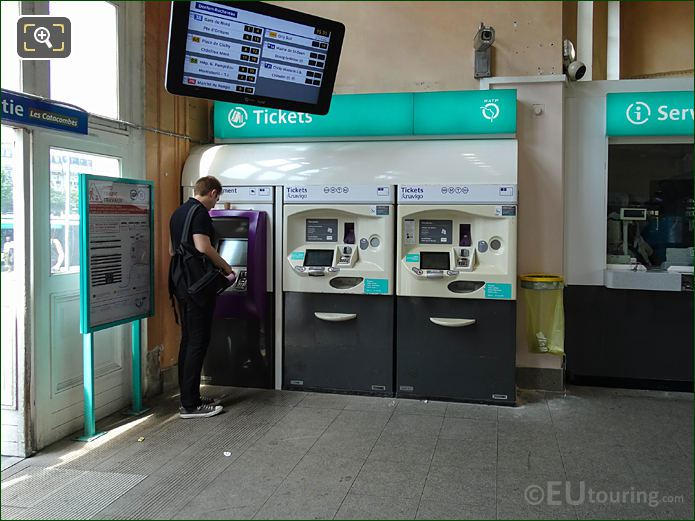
(434,260)
(322,258)
(253,53)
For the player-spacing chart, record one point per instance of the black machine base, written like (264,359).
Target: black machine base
(241,353)
(354,355)
(629,338)
(471,363)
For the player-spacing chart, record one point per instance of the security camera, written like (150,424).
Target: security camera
(482,44)
(484,38)
(574,69)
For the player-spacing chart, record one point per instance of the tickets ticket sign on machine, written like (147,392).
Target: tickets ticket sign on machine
(241,346)
(338,288)
(456,286)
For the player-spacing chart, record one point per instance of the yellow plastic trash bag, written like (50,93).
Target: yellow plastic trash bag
(545,316)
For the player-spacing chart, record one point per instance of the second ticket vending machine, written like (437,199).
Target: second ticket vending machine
(456,272)
(338,288)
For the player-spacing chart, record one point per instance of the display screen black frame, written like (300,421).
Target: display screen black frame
(178,31)
(318,258)
(433,260)
(231,227)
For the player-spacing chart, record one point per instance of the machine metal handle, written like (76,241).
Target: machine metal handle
(452,322)
(335,317)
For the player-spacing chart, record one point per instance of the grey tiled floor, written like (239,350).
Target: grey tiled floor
(587,454)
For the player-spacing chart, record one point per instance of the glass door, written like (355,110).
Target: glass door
(13,289)
(58,161)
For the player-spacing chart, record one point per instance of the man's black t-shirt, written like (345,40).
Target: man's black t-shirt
(201,223)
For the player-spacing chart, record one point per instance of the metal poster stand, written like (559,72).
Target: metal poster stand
(127,199)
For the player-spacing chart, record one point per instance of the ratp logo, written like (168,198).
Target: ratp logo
(237,117)
(490,111)
(638,113)
(137,195)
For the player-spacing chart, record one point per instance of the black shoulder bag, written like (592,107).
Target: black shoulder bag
(192,276)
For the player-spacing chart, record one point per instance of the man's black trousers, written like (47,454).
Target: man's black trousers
(196,325)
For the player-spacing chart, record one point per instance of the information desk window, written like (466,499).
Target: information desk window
(234,251)
(434,260)
(651,209)
(318,258)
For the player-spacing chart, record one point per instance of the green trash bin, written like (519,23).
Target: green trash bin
(545,316)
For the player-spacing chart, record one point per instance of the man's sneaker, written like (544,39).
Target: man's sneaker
(209,400)
(202,411)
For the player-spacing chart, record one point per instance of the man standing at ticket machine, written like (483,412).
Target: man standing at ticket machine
(196,320)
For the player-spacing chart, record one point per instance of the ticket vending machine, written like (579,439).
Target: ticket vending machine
(456,287)
(242,344)
(338,288)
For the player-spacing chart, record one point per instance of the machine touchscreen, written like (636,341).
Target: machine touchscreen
(234,251)
(434,260)
(316,258)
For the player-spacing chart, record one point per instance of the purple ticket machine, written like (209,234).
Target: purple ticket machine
(241,347)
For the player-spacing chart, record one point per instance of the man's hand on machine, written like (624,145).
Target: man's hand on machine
(231,276)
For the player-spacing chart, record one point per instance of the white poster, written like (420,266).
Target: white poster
(119,276)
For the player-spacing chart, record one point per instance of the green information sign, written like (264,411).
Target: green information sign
(376,286)
(494,290)
(667,113)
(372,115)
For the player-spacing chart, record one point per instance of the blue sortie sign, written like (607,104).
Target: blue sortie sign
(30,111)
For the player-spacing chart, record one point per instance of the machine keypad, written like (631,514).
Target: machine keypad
(241,281)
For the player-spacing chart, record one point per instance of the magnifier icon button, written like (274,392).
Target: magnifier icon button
(43,35)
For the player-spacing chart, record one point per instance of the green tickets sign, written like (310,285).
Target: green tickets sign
(372,115)
(465,112)
(667,113)
(353,115)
